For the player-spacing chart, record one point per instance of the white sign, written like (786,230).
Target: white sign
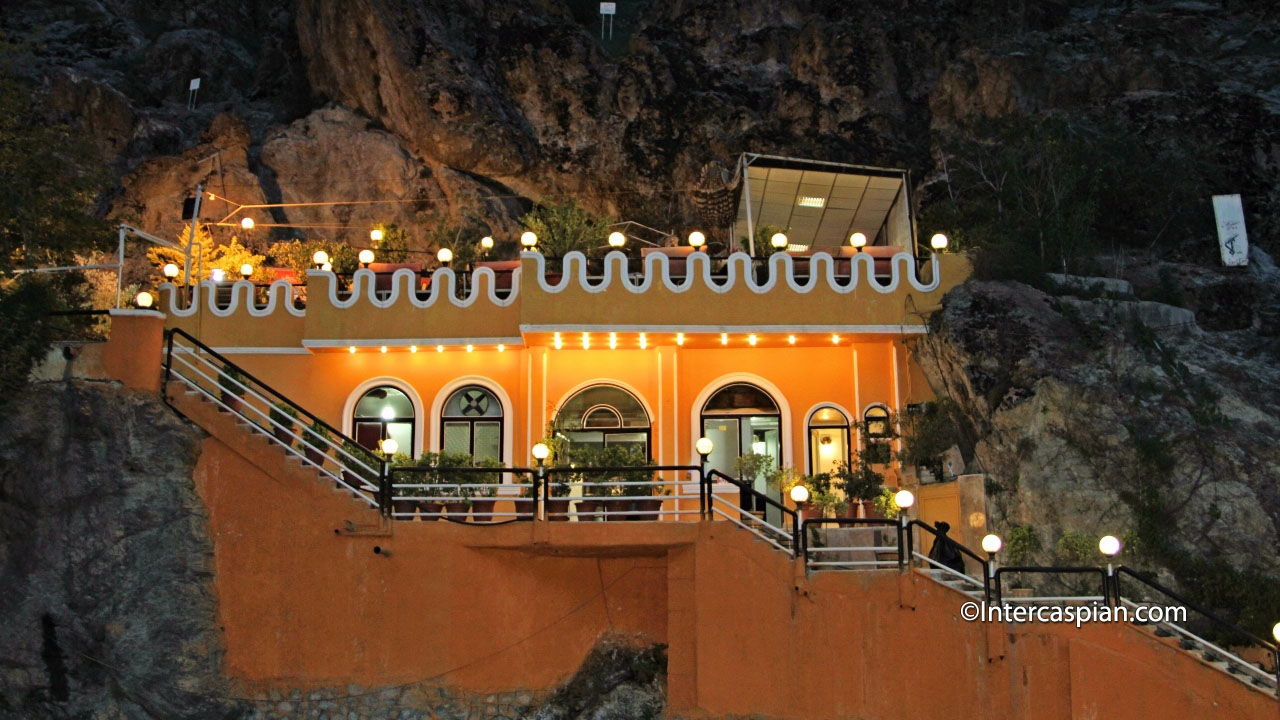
(608,8)
(1232,239)
(195,84)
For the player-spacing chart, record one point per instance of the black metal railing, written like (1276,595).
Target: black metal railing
(1223,625)
(617,498)
(984,565)
(998,576)
(461,494)
(809,537)
(749,495)
(323,446)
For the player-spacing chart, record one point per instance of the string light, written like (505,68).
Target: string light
(751,340)
(680,339)
(384,349)
(586,341)
(644,341)
(724,338)
(791,339)
(613,341)
(502,348)
(470,348)
(413,348)
(558,342)
(439,348)
(835,339)
(351,349)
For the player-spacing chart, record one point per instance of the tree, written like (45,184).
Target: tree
(565,226)
(208,257)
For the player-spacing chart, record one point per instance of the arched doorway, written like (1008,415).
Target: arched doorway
(604,415)
(384,412)
(741,419)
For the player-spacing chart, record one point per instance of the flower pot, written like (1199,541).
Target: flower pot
(402,509)
(811,513)
(429,507)
(650,507)
(351,479)
(457,510)
(588,509)
(482,509)
(314,455)
(233,401)
(557,509)
(283,434)
(614,509)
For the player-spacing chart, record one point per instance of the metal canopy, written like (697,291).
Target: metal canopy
(820,204)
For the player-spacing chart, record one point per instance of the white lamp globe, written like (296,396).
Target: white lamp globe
(541,451)
(1275,632)
(171,271)
(246,270)
(938,241)
(1109,545)
(375,235)
(799,494)
(778,240)
(445,256)
(486,242)
(320,257)
(992,543)
(366,256)
(704,446)
(144,299)
(390,446)
(904,499)
(858,240)
(697,239)
(617,239)
(217,275)
(528,239)
(247,223)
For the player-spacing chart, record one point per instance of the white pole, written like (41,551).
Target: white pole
(120,270)
(746,192)
(195,216)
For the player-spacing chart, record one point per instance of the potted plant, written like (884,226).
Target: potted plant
(352,472)
(316,445)
(646,500)
(749,467)
(483,501)
(594,486)
(557,504)
(860,482)
(458,499)
(230,387)
(431,507)
(399,476)
(282,417)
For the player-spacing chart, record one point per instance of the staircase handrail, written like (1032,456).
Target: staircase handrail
(338,441)
(757,495)
(982,563)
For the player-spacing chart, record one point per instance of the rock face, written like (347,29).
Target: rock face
(1119,416)
(521,98)
(106,561)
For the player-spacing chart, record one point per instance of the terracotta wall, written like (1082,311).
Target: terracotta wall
(305,602)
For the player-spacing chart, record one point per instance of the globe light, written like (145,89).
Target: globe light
(144,299)
(778,241)
(799,494)
(858,240)
(1275,632)
(528,239)
(904,499)
(327,267)
(938,241)
(171,271)
(697,239)
(390,446)
(541,452)
(486,242)
(320,258)
(387,413)
(445,256)
(246,270)
(704,446)
(1109,545)
(617,239)
(992,544)
(375,235)
(366,256)
(247,223)
(217,275)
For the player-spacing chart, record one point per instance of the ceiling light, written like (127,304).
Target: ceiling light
(815,202)
(680,339)
(751,340)
(791,339)
(724,338)
(439,348)
(613,341)
(644,341)
(797,248)
(502,348)
(586,341)
(558,342)
(413,348)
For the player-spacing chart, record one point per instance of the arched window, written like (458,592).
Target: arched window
(742,419)
(471,422)
(604,415)
(877,430)
(828,440)
(384,412)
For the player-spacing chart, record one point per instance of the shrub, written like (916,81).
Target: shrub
(563,226)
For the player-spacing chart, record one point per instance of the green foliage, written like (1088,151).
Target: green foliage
(26,331)
(752,465)
(296,255)
(564,226)
(859,481)
(1022,545)
(927,435)
(763,234)
(1037,195)
(284,414)
(394,246)
(230,382)
(488,478)
(1077,548)
(598,484)
(885,505)
(208,257)
(50,178)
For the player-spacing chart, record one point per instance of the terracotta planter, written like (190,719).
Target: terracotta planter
(457,510)
(650,507)
(283,434)
(429,507)
(557,509)
(351,479)
(588,509)
(402,509)
(233,401)
(811,513)
(615,508)
(314,455)
(482,509)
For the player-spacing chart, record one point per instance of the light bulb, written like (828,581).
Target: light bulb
(375,235)
(320,257)
(366,256)
(778,241)
(617,239)
(938,241)
(144,299)
(445,256)
(528,239)
(697,239)
(247,223)
(858,240)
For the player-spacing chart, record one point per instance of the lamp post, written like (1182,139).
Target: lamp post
(486,244)
(778,241)
(703,447)
(1110,546)
(858,241)
(617,240)
(991,545)
(540,453)
(365,257)
(320,259)
(246,271)
(143,300)
(529,240)
(904,499)
(799,496)
(445,256)
(938,242)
